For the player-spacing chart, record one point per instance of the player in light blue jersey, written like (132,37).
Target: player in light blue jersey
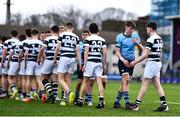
(125,44)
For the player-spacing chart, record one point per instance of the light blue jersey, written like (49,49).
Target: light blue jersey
(81,46)
(126,45)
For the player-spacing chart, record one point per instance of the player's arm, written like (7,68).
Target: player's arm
(9,58)
(58,47)
(118,54)
(3,57)
(104,50)
(20,55)
(85,56)
(41,54)
(78,56)
(142,57)
(139,45)
(26,57)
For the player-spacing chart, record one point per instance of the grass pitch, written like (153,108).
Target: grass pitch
(10,107)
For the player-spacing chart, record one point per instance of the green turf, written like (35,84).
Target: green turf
(11,107)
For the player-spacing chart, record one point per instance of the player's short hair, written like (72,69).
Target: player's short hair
(130,24)
(48,31)
(61,27)
(152,25)
(93,28)
(55,29)
(14,33)
(86,31)
(69,25)
(28,32)
(22,37)
(34,31)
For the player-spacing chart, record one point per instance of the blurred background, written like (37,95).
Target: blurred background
(110,16)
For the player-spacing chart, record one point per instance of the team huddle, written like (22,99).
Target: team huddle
(32,68)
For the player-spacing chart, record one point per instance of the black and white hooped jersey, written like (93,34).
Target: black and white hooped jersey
(8,45)
(15,49)
(155,45)
(69,41)
(95,44)
(50,44)
(24,44)
(1,50)
(33,46)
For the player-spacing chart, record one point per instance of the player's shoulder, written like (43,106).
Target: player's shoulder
(14,41)
(1,44)
(39,41)
(8,40)
(17,42)
(101,38)
(153,37)
(135,34)
(95,37)
(27,41)
(120,36)
(69,34)
(34,41)
(51,38)
(73,34)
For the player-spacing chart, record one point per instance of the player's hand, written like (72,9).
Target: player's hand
(2,65)
(83,68)
(80,66)
(38,61)
(8,66)
(133,63)
(54,62)
(126,63)
(104,69)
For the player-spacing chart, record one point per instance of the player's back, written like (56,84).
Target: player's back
(15,49)
(50,44)
(155,44)
(69,41)
(8,44)
(33,48)
(96,44)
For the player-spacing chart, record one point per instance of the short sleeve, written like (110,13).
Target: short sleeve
(77,38)
(86,42)
(5,45)
(103,44)
(149,43)
(136,36)
(45,43)
(118,42)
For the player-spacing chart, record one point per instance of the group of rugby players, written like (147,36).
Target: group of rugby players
(34,64)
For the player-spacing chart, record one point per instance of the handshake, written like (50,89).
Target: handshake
(127,64)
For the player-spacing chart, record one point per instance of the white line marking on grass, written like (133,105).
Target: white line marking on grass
(170,102)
